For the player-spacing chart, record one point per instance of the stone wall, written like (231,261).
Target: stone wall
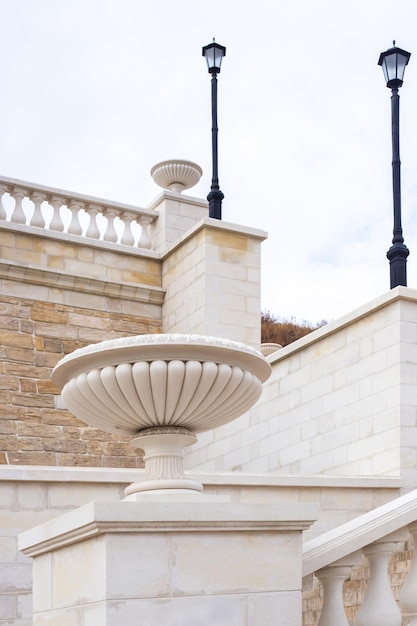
(212,281)
(59,293)
(34,428)
(340,401)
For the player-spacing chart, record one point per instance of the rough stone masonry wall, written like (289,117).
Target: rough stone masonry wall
(34,336)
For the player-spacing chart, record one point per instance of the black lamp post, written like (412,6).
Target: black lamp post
(393,63)
(214,54)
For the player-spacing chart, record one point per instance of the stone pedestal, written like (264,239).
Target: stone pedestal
(180,563)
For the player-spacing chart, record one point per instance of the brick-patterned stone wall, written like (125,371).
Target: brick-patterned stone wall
(34,428)
(64,256)
(339,401)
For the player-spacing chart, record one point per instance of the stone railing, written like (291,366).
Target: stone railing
(377,535)
(60,211)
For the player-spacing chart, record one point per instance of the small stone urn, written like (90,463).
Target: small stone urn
(176,174)
(161,390)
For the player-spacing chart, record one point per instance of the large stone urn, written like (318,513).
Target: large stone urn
(161,390)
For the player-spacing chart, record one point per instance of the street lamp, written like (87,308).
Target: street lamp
(393,63)
(214,54)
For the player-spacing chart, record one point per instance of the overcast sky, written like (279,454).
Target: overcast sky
(95,92)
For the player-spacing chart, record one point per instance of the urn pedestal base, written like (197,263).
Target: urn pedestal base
(164,456)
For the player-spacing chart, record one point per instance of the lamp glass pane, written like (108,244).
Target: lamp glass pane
(218,56)
(209,53)
(389,66)
(401,63)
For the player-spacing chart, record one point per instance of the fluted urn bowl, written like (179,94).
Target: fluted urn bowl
(176,174)
(161,390)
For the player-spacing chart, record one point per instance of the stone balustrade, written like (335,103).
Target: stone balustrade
(84,216)
(376,535)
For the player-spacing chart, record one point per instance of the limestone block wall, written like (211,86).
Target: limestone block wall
(57,295)
(63,260)
(60,292)
(212,282)
(25,503)
(177,214)
(342,400)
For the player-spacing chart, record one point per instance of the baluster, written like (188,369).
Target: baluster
(3,189)
(144,239)
(408,593)
(379,607)
(110,233)
(37,217)
(18,215)
(56,222)
(74,227)
(93,230)
(332,578)
(127,237)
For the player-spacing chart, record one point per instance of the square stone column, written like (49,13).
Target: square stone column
(175,563)
(212,277)
(177,214)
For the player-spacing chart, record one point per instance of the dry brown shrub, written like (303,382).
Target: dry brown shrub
(275,329)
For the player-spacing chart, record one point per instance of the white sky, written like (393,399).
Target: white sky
(95,92)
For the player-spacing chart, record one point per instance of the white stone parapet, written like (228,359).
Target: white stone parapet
(341,400)
(56,210)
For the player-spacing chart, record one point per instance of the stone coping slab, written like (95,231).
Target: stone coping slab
(210,222)
(36,473)
(78,240)
(398,293)
(97,518)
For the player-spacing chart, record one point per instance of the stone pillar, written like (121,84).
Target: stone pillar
(164,561)
(177,214)
(212,278)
